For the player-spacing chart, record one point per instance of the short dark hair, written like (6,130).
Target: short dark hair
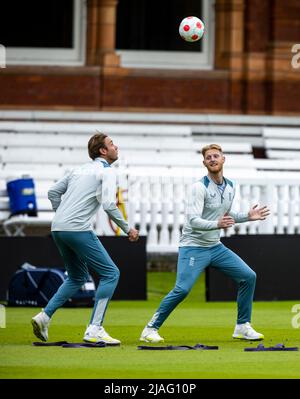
(95,143)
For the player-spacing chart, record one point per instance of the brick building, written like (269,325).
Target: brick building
(97,56)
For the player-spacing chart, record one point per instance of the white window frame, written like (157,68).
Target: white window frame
(177,59)
(55,56)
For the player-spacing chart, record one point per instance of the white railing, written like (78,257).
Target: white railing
(155,205)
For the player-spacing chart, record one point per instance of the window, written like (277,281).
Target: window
(46,34)
(147,34)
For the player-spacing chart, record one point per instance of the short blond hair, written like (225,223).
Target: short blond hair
(211,147)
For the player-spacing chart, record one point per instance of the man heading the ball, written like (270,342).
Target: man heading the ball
(75,199)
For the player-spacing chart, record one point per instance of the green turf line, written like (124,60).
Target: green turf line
(194,321)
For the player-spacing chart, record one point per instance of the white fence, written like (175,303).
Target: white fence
(155,204)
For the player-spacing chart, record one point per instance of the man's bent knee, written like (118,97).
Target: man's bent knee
(116,274)
(79,280)
(251,277)
(181,291)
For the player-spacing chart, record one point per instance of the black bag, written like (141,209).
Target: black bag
(35,286)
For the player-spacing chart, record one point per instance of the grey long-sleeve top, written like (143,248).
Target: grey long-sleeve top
(78,195)
(204,207)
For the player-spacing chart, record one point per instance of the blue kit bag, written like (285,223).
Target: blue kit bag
(35,286)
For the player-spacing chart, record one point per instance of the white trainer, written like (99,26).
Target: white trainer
(96,334)
(40,324)
(150,334)
(246,331)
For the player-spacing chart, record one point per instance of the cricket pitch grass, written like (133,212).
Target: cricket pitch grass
(193,321)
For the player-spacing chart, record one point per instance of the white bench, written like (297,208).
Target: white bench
(66,141)
(175,159)
(37,170)
(28,149)
(43,156)
(281,133)
(57,146)
(229,148)
(91,128)
(47,175)
(284,165)
(46,140)
(212,133)
(158,117)
(16,225)
(282,143)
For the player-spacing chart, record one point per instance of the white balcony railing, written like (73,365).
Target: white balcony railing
(155,205)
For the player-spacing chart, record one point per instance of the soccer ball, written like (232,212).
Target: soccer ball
(191,29)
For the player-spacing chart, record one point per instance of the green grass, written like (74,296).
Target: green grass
(194,321)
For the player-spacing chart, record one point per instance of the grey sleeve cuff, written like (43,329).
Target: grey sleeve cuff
(198,223)
(117,217)
(239,217)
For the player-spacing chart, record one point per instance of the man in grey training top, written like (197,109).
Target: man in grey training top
(75,199)
(208,211)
